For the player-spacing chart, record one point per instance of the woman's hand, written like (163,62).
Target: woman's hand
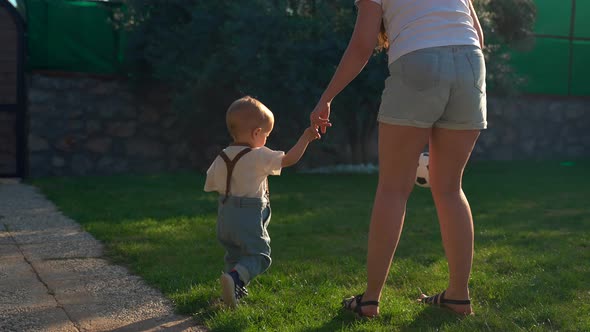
(320,117)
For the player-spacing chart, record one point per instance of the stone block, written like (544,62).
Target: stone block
(99,145)
(75,125)
(37,143)
(107,111)
(109,165)
(57,161)
(104,88)
(575,111)
(128,111)
(121,129)
(143,147)
(504,153)
(93,126)
(81,165)
(149,115)
(528,146)
(67,144)
(104,163)
(169,122)
(39,96)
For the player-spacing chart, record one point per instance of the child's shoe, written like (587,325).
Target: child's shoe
(232,289)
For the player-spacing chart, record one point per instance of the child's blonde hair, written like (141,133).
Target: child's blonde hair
(246,114)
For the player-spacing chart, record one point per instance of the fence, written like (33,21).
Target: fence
(74,36)
(558,63)
(77,36)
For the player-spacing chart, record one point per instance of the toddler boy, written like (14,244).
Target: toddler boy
(239,175)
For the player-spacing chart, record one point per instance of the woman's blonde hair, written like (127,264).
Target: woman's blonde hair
(382,40)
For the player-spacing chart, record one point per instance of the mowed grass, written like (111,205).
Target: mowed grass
(531,269)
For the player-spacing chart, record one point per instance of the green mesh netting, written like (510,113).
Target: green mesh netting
(74,36)
(546,67)
(580,68)
(77,36)
(582,24)
(556,65)
(553,17)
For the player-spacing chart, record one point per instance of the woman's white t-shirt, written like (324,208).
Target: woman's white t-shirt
(416,24)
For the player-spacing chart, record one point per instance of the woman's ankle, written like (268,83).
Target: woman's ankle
(457,293)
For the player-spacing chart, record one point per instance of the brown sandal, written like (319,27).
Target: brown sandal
(439,300)
(347,305)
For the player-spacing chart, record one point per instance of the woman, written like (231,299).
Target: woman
(435,95)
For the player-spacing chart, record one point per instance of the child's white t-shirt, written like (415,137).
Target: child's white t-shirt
(249,174)
(413,25)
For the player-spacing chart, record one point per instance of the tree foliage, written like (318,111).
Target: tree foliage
(282,52)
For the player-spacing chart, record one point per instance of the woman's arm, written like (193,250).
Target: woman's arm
(359,50)
(476,24)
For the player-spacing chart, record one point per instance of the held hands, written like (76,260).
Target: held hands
(311,134)
(320,117)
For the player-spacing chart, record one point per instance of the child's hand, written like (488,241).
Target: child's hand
(311,134)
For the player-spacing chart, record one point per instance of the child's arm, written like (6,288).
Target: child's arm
(476,24)
(296,152)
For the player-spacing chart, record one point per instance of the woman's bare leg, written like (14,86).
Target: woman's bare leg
(449,153)
(399,150)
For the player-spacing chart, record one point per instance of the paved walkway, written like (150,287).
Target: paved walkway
(53,276)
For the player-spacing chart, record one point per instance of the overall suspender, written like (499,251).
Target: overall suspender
(231,163)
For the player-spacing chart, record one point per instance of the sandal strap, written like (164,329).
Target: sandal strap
(440,299)
(357,309)
(362,304)
(359,298)
(447,301)
(347,303)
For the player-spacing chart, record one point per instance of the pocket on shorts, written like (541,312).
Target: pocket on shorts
(420,70)
(478,68)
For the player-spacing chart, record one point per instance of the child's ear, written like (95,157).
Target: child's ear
(256,132)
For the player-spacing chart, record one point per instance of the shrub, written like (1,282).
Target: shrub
(284,53)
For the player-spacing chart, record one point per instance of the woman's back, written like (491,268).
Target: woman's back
(412,25)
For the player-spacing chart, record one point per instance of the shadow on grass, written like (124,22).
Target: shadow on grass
(433,318)
(338,322)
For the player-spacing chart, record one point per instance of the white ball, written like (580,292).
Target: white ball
(422,178)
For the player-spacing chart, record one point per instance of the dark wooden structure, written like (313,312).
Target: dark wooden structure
(13,133)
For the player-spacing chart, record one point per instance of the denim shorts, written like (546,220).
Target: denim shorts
(436,87)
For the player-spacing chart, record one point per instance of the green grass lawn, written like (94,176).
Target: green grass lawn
(532,248)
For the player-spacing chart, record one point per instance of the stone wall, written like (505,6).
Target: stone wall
(536,128)
(81,125)
(8,143)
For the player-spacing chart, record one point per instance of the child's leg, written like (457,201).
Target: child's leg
(231,258)
(255,258)
(226,237)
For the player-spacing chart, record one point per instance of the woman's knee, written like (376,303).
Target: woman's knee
(395,191)
(444,181)
(445,188)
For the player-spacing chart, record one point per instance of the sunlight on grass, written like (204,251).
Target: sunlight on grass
(530,267)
